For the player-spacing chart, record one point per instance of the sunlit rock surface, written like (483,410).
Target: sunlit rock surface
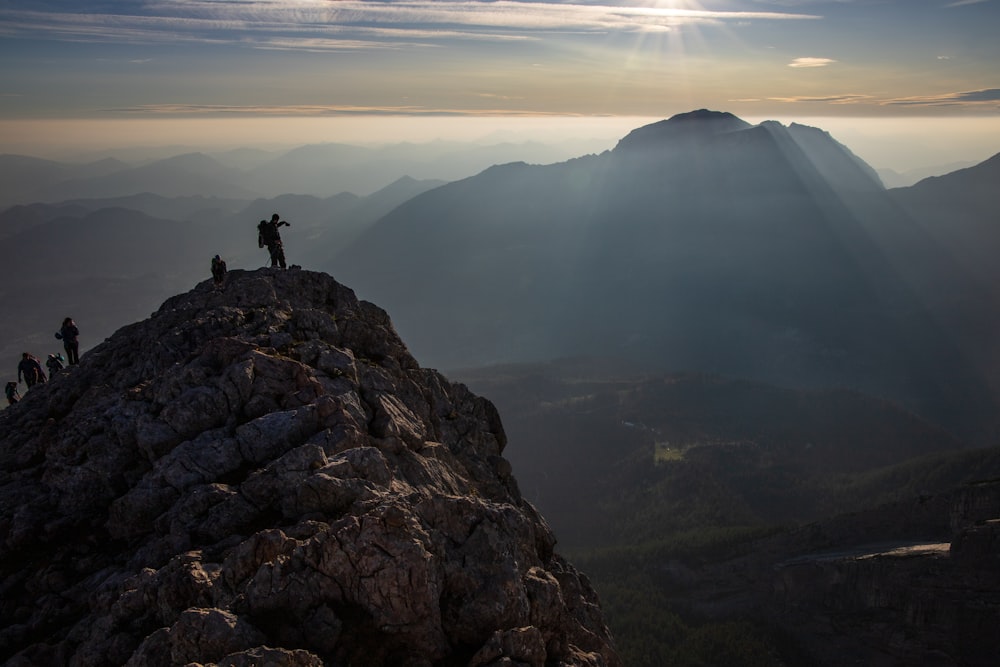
(263,474)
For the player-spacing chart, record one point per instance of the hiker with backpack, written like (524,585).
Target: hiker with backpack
(11,391)
(218,270)
(267,235)
(31,370)
(68,335)
(55,364)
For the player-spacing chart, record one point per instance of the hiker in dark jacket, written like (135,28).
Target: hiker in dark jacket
(31,370)
(55,364)
(11,391)
(68,335)
(218,270)
(267,235)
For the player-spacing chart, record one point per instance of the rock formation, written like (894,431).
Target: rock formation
(909,583)
(263,475)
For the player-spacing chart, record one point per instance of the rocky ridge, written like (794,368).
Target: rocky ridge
(263,474)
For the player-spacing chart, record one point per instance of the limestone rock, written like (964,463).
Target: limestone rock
(263,475)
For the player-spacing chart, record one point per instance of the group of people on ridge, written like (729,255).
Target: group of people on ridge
(29,369)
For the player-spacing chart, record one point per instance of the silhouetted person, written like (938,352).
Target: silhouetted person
(218,270)
(11,391)
(55,364)
(68,335)
(30,369)
(267,235)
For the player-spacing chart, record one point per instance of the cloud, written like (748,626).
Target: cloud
(314,110)
(811,62)
(848,98)
(311,24)
(988,95)
(962,3)
(971,98)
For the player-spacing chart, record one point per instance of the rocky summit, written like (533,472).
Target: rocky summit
(262,474)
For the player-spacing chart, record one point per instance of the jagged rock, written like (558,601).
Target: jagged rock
(263,475)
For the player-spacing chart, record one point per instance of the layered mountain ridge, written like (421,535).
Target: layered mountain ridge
(263,474)
(700,243)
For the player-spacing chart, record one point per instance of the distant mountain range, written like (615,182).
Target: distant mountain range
(895,179)
(699,243)
(321,170)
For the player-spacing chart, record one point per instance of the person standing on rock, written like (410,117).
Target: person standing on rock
(267,235)
(29,370)
(218,270)
(68,334)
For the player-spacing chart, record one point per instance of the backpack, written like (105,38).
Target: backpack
(54,364)
(265,233)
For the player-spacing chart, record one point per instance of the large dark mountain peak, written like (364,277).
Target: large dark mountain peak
(694,124)
(263,474)
(700,243)
(717,148)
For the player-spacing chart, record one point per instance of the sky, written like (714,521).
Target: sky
(899,81)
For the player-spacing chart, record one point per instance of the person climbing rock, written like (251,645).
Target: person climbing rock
(29,370)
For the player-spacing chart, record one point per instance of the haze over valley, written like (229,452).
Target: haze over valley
(700,243)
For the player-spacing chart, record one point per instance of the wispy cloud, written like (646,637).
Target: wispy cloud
(848,98)
(313,110)
(969,98)
(811,62)
(962,3)
(972,98)
(312,24)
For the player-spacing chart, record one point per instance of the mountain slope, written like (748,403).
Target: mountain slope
(263,474)
(959,211)
(699,243)
(655,452)
(710,512)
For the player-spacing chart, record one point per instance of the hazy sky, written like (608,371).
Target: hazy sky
(424,67)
